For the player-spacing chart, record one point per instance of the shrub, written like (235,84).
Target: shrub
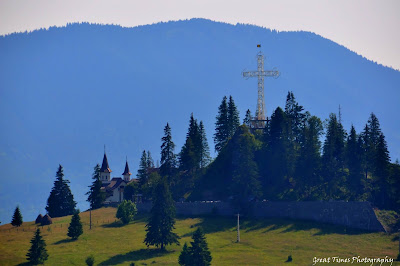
(126,211)
(90,260)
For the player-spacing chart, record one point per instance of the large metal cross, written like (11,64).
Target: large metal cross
(260,74)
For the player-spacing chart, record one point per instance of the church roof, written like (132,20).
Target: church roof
(126,171)
(115,183)
(104,166)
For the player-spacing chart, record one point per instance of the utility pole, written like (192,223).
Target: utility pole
(238,229)
(90,226)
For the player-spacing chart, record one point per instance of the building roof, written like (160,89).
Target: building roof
(126,171)
(104,166)
(115,183)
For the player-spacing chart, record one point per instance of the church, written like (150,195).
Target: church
(114,188)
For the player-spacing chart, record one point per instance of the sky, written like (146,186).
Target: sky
(367,27)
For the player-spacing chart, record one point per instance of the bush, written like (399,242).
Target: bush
(289,258)
(126,211)
(90,260)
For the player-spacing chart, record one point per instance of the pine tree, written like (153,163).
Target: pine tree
(381,173)
(189,157)
(308,164)
(75,227)
(199,253)
(205,157)
(37,254)
(96,196)
(184,257)
(142,173)
(275,161)
(334,158)
(168,158)
(233,117)
(245,180)
(150,161)
(162,220)
(221,126)
(17,218)
(355,181)
(247,119)
(61,201)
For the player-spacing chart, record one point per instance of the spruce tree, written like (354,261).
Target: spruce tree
(161,222)
(150,161)
(221,126)
(75,227)
(355,180)
(334,158)
(275,161)
(168,158)
(247,119)
(233,117)
(37,253)
(308,165)
(61,201)
(142,173)
(245,180)
(96,196)
(205,157)
(184,257)
(17,218)
(199,253)
(381,173)
(189,157)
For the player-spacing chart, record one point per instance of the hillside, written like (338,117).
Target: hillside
(263,242)
(65,92)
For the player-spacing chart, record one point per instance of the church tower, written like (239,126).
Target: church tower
(126,174)
(105,171)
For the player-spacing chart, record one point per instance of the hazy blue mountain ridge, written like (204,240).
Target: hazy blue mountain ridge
(65,92)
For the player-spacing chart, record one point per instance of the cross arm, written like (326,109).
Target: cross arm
(269,73)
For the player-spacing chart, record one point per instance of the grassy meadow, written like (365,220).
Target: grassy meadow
(263,242)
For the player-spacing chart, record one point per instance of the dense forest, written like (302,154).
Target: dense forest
(296,156)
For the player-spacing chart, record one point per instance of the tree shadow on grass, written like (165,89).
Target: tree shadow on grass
(137,255)
(63,241)
(212,224)
(115,224)
(24,263)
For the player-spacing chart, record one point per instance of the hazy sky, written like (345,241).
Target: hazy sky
(369,27)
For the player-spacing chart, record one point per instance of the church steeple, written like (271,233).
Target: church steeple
(126,174)
(105,170)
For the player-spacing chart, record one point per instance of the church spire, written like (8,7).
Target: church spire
(126,174)
(104,166)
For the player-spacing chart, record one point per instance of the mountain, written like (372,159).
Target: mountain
(65,92)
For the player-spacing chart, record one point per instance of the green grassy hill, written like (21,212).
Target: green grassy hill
(263,242)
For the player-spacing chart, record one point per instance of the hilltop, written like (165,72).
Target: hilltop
(65,92)
(263,241)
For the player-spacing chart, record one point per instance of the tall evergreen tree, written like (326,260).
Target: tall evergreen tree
(150,161)
(245,180)
(75,227)
(205,157)
(96,196)
(37,253)
(221,126)
(168,158)
(161,222)
(233,117)
(190,155)
(247,118)
(308,164)
(381,173)
(333,158)
(61,201)
(17,218)
(276,168)
(355,180)
(184,257)
(295,117)
(142,173)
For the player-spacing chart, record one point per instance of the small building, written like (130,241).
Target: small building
(114,188)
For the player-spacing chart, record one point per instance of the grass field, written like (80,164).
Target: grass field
(263,242)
